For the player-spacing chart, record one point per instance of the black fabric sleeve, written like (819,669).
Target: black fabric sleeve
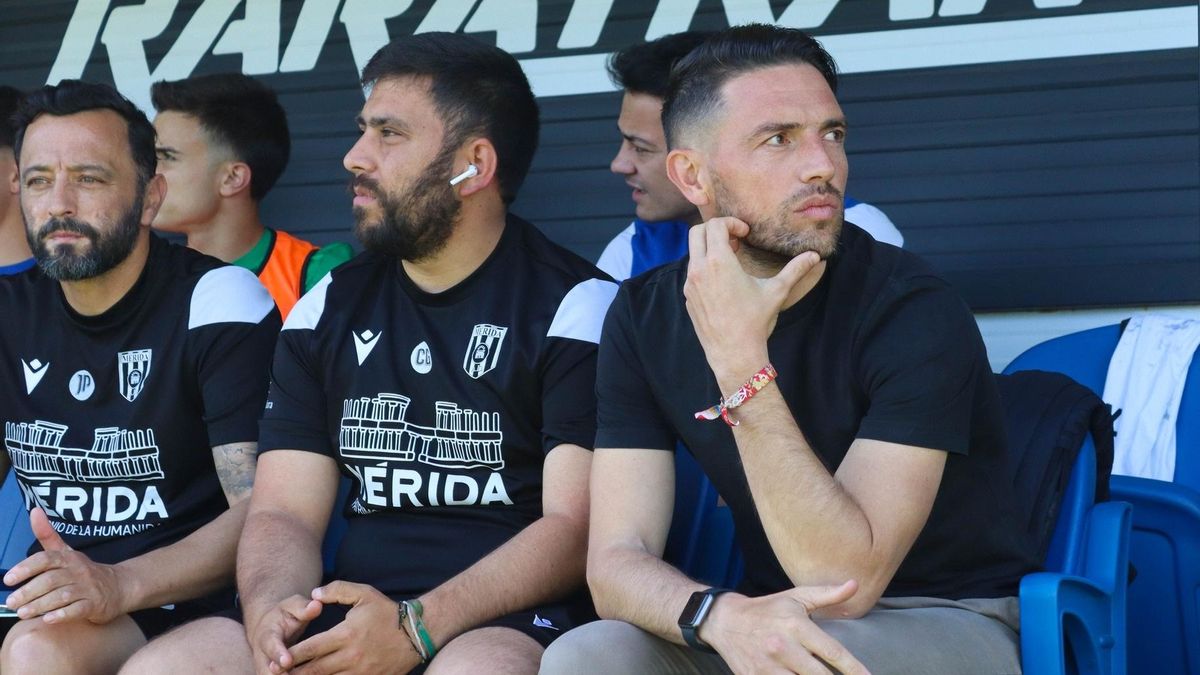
(295,416)
(921,364)
(231,376)
(569,394)
(627,414)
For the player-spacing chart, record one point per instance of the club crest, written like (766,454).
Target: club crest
(133,367)
(483,351)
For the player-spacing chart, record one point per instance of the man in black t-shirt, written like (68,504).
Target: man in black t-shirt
(448,374)
(858,439)
(133,375)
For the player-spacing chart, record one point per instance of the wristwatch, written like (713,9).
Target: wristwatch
(694,613)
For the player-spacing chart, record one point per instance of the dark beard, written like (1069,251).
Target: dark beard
(771,239)
(105,252)
(416,225)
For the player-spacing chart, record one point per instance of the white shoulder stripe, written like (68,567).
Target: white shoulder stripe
(307,311)
(229,294)
(617,259)
(580,315)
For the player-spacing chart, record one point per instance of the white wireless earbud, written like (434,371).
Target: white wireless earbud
(471,171)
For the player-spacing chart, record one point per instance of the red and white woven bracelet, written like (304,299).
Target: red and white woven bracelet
(744,393)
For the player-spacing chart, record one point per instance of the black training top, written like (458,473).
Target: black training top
(440,407)
(880,349)
(110,420)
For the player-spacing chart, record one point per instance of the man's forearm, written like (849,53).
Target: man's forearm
(279,557)
(640,588)
(817,531)
(200,563)
(541,563)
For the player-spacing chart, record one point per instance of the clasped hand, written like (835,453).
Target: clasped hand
(368,640)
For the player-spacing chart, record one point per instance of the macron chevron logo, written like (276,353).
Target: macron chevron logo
(364,342)
(34,371)
(544,623)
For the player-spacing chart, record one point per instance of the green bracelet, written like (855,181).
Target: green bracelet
(407,627)
(415,613)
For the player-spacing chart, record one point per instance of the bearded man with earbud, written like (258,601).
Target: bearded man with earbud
(447,375)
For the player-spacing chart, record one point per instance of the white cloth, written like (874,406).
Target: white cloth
(617,259)
(1145,382)
(876,223)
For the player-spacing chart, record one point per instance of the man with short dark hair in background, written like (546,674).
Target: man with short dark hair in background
(449,374)
(222,143)
(132,376)
(14,250)
(659,233)
(857,433)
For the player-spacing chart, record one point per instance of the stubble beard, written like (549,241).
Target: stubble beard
(415,225)
(773,239)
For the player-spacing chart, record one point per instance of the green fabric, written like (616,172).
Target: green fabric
(256,257)
(324,259)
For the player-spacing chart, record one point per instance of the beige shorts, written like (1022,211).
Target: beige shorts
(922,636)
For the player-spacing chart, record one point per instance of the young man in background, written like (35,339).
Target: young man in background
(222,144)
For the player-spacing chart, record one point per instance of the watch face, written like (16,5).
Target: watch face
(695,609)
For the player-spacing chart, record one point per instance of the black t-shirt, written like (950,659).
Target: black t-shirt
(880,349)
(110,420)
(440,407)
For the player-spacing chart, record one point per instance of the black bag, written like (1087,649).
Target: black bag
(1047,415)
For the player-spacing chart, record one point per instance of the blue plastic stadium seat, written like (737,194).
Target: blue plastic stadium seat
(1073,614)
(14,526)
(1164,597)
(702,541)
(14,523)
